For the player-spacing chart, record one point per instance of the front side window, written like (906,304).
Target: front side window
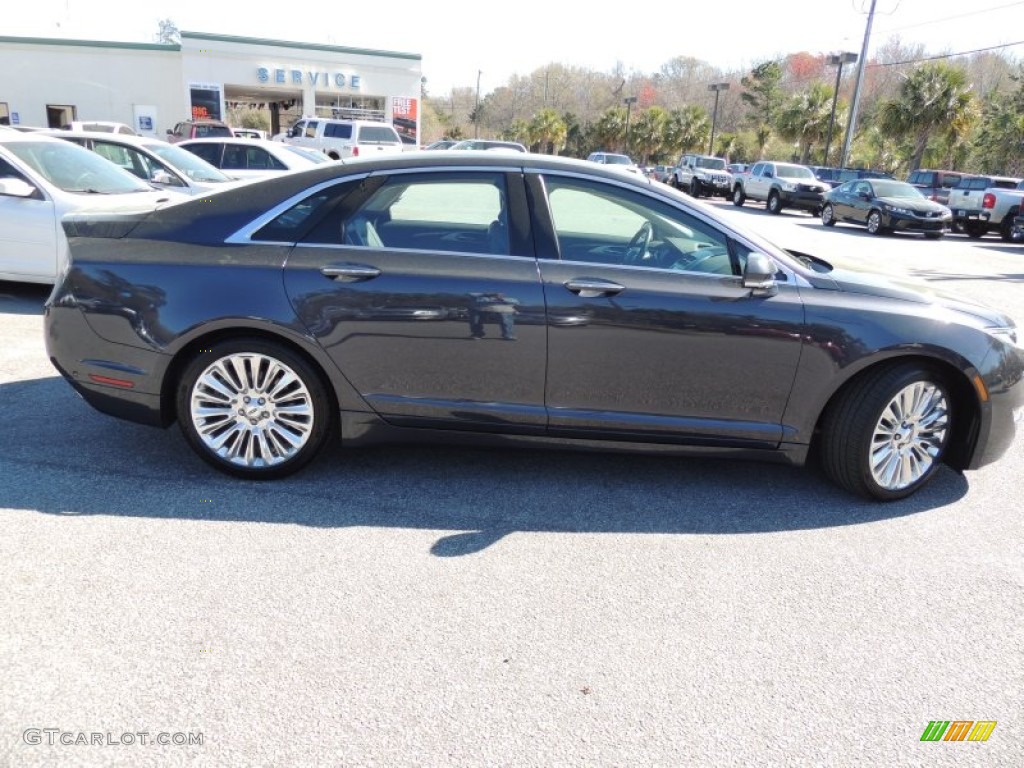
(311,129)
(606,224)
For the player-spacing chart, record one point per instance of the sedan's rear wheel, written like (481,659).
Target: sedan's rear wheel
(887,435)
(253,409)
(828,215)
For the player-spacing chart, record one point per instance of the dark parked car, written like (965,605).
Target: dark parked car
(836,176)
(885,205)
(517,298)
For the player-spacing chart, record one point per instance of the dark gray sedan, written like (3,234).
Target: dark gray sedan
(885,205)
(475,296)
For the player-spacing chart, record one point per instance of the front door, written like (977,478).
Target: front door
(651,335)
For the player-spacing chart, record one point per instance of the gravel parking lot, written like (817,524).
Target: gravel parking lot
(441,606)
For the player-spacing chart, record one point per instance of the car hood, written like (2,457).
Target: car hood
(908,289)
(916,205)
(131,202)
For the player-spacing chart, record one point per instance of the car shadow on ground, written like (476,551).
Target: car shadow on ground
(75,462)
(1003,277)
(22,298)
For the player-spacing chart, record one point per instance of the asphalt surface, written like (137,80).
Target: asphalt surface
(436,606)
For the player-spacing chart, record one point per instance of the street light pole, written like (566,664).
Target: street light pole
(476,109)
(717,88)
(629,101)
(834,60)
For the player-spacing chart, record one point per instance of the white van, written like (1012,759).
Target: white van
(345,138)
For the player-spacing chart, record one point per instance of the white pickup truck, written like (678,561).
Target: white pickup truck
(982,204)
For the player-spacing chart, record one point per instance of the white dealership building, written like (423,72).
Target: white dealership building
(50,82)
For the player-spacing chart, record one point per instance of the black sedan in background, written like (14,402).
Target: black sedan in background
(885,205)
(493,297)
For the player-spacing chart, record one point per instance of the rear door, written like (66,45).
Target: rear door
(423,287)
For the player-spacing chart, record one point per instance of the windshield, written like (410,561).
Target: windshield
(714,163)
(793,171)
(896,189)
(309,154)
(191,165)
(74,169)
(618,160)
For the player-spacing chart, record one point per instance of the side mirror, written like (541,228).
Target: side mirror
(769,175)
(864,195)
(16,188)
(759,275)
(170,131)
(161,176)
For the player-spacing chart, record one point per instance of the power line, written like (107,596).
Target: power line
(951,18)
(945,55)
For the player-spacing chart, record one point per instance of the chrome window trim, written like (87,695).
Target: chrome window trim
(243,236)
(389,249)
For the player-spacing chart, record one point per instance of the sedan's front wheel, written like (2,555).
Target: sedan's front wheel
(253,408)
(828,215)
(888,433)
(875,223)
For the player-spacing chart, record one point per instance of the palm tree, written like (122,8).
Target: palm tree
(935,101)
(647,134)
(548,130)
(805,118)
(686,128)
(610,128)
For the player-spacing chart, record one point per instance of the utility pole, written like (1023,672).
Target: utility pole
(833,60)
(717,88)
(852,125)
(476,109)
(629,101)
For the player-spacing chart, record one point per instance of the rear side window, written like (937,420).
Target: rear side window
(311,129)
(290,225)
(338,130)
(373,134)
(209,152)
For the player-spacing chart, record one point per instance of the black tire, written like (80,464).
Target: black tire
(273,426)
(853,424)
(828,215)
(874,223)
(974,230)
(695,188)
(774,204)
(1006,228)
(933,235)
(739,197)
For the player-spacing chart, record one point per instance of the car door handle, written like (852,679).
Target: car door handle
(590,288)
(349,273)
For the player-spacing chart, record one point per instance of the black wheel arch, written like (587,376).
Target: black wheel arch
(191,348)
(967,407)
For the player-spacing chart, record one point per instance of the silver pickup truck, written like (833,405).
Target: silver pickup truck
(983,204)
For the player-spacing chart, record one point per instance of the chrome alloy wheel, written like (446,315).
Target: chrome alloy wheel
(251,410)
(909,436)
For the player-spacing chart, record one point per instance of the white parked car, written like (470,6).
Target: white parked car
(41,180)
(102,126)
(619,162)
(253,158)
(339,139)
(155,161)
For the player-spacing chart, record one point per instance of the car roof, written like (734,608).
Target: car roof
(116,138)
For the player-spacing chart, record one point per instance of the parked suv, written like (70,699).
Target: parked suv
(198,129)
(345,138)
(935,185)
(702,175)
(781,185)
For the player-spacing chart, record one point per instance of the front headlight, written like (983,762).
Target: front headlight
(1007,334)
(898,209)
(788,186)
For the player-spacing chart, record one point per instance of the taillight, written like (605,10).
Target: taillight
(355,151)
(989,201)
